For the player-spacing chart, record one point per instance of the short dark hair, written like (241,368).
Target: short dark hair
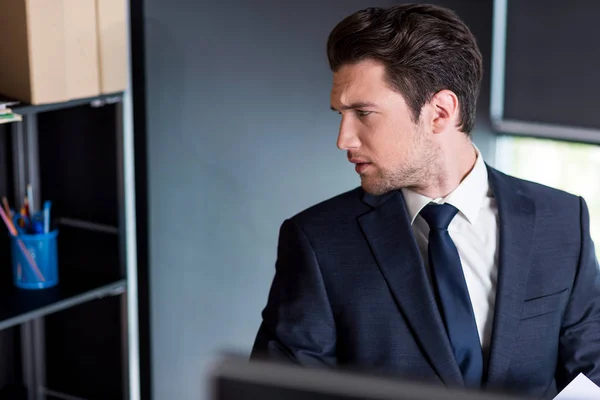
(424,49)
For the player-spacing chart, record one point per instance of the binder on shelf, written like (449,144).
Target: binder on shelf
(5,103)
(6,114)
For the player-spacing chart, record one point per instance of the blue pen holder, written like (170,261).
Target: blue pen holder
(35,260)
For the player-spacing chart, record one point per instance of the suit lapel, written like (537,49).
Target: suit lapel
(516,222)
(388,231)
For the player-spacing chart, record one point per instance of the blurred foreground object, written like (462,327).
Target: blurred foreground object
(234,378)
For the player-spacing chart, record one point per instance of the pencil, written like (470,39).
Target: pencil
(6,206)
(8,222)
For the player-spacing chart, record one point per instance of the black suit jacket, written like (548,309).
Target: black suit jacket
(350,289)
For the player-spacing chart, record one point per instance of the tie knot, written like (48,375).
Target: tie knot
(438,216)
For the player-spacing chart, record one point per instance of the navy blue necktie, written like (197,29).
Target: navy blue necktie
(453,294)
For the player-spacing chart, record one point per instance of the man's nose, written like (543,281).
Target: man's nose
(347,137)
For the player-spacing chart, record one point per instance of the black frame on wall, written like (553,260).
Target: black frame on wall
(522,66)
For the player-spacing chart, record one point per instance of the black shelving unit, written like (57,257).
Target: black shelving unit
(70,341)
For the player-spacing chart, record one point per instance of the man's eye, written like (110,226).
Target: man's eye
(362,113)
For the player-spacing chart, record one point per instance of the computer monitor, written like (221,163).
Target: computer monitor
(233,378)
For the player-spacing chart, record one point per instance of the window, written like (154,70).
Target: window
(572,167)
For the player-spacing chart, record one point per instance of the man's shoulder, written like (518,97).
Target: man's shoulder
(335,210)
(541,194)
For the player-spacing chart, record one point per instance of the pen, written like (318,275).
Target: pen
(30,199)
(47,205)
(23,213)
(26,206)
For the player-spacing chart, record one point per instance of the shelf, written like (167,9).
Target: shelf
(19,392)
(88,269)
(20,305)
(25,109)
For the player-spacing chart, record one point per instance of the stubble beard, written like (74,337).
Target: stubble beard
(416,173)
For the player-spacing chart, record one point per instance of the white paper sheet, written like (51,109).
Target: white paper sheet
(580,388)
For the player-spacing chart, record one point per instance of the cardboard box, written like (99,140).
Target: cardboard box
(49,50)
(112,45)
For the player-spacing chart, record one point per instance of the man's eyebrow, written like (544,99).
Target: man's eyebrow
(355,106)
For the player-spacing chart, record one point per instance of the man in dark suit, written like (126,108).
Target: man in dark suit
(438,267)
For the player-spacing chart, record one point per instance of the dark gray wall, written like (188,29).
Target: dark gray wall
(478,16)
(240,137)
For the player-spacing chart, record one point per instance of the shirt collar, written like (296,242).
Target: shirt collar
(467,197)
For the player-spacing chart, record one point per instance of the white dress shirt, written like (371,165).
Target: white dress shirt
(474,231)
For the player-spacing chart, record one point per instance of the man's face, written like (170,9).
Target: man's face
(377,130)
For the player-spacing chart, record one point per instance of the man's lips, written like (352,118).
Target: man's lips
(361,164)
(361,168)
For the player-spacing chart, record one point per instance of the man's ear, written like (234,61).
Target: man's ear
(445,111)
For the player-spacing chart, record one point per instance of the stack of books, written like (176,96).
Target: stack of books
(6,114)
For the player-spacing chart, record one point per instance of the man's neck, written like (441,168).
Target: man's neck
(452,166)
